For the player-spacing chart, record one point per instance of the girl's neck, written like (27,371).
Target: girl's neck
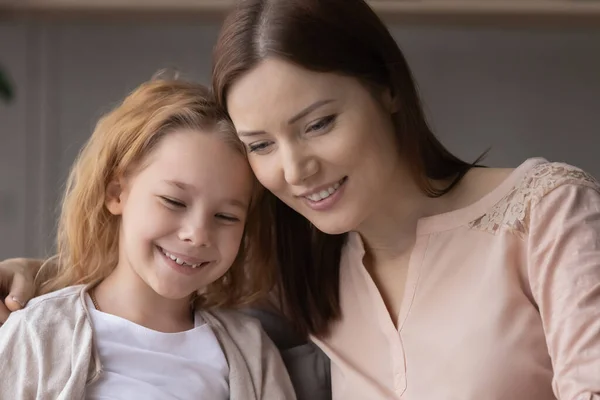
(124,294)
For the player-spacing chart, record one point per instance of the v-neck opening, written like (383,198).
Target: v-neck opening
(425,227)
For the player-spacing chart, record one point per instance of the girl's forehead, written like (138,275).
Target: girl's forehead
(197,158)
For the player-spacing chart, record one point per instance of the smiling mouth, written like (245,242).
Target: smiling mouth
(325,193)
(179,261)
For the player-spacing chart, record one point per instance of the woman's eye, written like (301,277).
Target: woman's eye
(172,202)
(322,124)
(257,147)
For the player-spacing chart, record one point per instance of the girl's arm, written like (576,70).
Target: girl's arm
(19,366)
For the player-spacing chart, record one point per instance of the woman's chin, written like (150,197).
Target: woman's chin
(332,227)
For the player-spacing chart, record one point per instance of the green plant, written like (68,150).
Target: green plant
(6,90)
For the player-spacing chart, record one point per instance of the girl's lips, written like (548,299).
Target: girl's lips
(193,261)
(182,269)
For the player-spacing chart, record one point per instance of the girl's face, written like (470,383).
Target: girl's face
(183,213)
(323,143)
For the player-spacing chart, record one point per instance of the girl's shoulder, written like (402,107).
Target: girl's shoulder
(231,321)
(51,339)
(70,293)
(60,307)
(254,359)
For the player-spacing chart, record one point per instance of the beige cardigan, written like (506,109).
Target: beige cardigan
(47,352)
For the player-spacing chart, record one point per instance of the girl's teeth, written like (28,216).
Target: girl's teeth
(179,261)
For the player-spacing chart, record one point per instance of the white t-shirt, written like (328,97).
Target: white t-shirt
(139,363)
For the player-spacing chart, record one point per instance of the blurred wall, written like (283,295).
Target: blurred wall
(524,92)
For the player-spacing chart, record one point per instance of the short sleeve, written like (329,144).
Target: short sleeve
(564,269)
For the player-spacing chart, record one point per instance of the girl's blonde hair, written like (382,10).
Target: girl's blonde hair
(88,234)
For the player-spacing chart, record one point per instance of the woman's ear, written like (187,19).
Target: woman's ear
(390,101)
(114,197)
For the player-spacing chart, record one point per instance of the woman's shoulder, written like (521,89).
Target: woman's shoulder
(529,185)
(545,176)
(542,177)
(534,178)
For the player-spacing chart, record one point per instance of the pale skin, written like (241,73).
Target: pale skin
(321,128)
(190,198)
(295,148)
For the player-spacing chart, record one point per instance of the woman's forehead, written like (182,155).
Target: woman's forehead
(279,87)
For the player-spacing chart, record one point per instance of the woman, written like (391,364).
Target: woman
(420,275)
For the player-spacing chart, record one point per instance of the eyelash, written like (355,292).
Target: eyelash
(228,218)
(257,147)
(172,203)
(177,204)
(327,122)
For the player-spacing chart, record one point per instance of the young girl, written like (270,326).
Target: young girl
(158,221)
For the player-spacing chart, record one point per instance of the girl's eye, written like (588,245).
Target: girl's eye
(228,218)
(322,124)
(171,202)
(258,147)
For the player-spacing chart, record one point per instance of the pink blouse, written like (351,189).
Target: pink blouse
(502,301)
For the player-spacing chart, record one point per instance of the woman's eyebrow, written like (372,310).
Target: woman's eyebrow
(308,110)
(303,113)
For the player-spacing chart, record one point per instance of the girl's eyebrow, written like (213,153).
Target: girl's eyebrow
(178,184)
(183,186)
(242,205)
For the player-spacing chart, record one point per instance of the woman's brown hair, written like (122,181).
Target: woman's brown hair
(88,234)
(334,36)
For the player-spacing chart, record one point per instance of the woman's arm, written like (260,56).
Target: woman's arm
(17,283)
(564,270)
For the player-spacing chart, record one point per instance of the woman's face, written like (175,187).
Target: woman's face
(323,143)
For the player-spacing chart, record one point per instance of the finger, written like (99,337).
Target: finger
(4,312)
(20,293)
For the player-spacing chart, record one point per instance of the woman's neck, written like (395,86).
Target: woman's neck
(390,232)
(124,294)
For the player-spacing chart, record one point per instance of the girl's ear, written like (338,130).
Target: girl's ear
(113,200)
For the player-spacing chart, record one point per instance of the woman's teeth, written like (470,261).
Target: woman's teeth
(179,260)
(323,194)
